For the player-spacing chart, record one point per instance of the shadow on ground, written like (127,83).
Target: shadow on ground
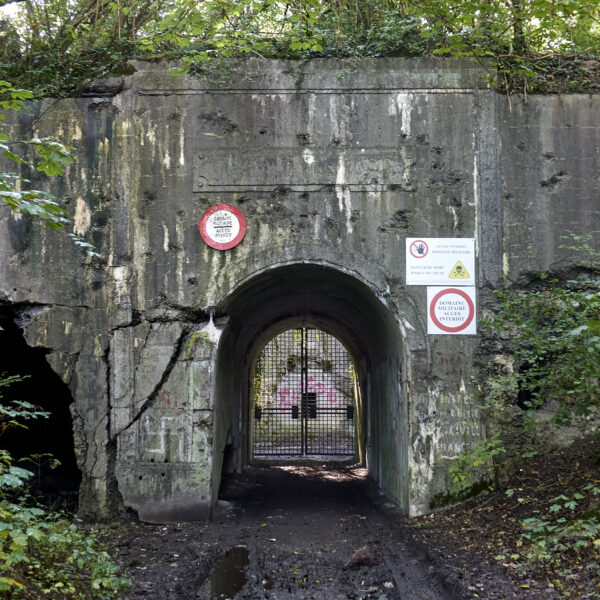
(302,532)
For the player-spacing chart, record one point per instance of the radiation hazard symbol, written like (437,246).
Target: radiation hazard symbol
(459,271)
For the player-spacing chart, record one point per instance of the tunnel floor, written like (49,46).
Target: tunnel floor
(283,533)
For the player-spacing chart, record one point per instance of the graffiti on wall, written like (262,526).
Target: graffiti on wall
(290,396)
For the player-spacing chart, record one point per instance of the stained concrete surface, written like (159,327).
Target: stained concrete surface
(333,165)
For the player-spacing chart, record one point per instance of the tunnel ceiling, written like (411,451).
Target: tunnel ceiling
(317,296)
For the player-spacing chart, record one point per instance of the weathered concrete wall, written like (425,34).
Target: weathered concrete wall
(333,166)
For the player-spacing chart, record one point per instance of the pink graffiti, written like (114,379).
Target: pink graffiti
(165,398)
(290,397)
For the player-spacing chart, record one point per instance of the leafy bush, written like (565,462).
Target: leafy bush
(54,47)
(44,554)
(554,336)
(475,465)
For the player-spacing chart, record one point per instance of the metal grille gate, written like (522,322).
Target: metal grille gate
(303,402)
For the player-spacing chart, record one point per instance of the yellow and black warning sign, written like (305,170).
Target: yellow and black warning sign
(459,271)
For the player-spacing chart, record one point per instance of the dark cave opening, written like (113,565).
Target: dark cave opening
(53,435)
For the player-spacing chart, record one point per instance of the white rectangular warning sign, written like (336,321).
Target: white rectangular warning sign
(451,310)
(440,261)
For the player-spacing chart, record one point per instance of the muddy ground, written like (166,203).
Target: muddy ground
(298,532)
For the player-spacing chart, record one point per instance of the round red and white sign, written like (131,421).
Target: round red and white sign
(222,226)
(419,249)
(451,310)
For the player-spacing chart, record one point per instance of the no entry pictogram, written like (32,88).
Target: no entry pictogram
(222,226)
(440,261)
(419,249)
(451,311)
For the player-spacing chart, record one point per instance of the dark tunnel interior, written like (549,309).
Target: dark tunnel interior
(30,446)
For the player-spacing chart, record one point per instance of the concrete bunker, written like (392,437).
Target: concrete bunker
(313,295)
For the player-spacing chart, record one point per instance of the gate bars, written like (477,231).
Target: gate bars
(303,404)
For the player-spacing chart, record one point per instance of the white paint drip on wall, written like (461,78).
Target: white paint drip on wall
(165,238)
(166,161)
(476,192)
(82,218)
(407,164)
(179,232)
(121,279)
(343,192)
(333,118)
(401,106)
(406,326)
(181,144)
(214,334)
(308,156)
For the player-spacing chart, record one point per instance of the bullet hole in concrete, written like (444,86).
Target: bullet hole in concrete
(304,139)
(151,460)
(140,477)
(217,122)
(554,180)
(192,281)
(162,474)
(262,131)
(166,460)
(44,389)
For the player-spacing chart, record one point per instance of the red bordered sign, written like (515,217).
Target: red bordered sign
(419,248)
(222,226)
(451,310)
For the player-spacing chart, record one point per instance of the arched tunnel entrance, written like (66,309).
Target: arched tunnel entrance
(326,299)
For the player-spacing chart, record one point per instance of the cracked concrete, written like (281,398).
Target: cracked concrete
(156,338)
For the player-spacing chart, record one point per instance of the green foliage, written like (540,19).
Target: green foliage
(475,465)
(44,554)
(51,156)
(563,536)
(554,333)
(56,46)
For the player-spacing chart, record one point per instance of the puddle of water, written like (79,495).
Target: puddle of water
(229,573)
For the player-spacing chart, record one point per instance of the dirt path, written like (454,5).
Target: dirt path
(290,533)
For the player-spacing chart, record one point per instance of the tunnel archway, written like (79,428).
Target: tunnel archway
(313,295)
